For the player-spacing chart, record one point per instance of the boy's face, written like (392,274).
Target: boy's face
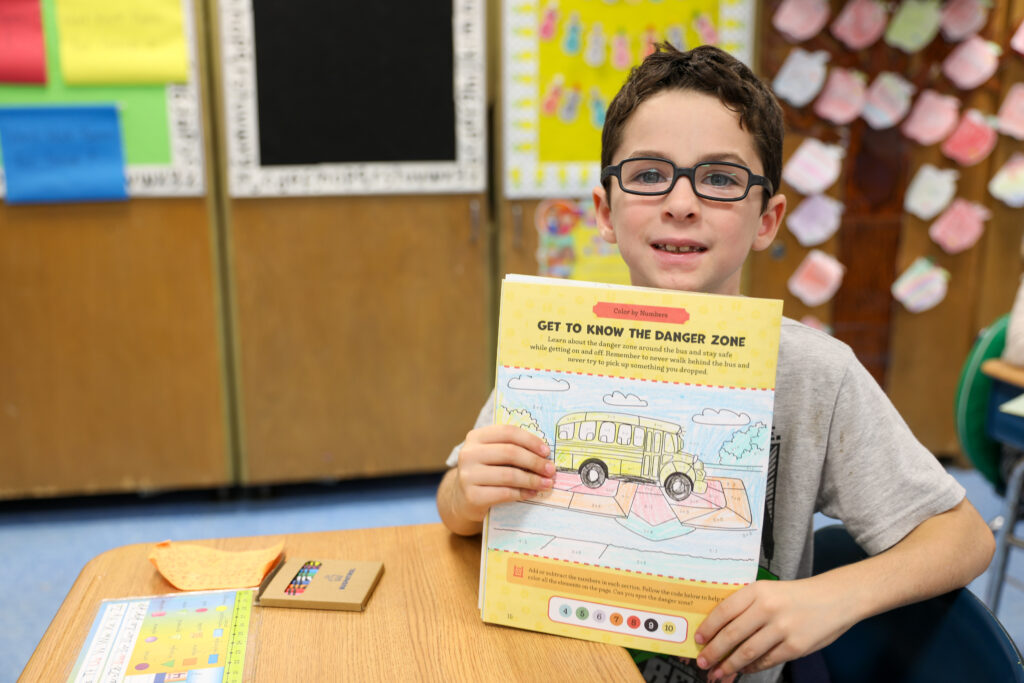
(709,240)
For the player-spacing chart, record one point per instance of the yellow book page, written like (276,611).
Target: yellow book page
(122,42)
(194,567)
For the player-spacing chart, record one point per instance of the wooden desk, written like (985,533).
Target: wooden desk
(421,623)
(1003,371)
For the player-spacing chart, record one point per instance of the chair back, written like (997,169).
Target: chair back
(970,408)
(951,637)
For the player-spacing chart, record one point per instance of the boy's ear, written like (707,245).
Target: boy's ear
(603,213)
(771,220)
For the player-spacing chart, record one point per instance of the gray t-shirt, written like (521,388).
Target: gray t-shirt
(838,447)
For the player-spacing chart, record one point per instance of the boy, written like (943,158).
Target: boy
(692,158)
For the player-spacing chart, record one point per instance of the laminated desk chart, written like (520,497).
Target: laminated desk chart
(197,637)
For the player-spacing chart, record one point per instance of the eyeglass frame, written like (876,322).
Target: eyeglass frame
(753,179)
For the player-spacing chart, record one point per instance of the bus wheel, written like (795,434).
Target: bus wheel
(592,473)
(678,486)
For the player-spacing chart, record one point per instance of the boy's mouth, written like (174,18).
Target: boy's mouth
(684,249)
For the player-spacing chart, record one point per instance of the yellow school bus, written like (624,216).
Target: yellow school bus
(629,447)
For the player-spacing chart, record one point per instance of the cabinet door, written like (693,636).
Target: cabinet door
(362,333)
(110,363)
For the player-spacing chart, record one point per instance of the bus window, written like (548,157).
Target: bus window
(607,433)
(565,431)
(638,437)
(625,432)
(587,430)
(670,443)
(657,443)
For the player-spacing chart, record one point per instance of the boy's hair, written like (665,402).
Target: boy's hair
(705,69)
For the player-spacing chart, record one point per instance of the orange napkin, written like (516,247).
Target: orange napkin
(191,567)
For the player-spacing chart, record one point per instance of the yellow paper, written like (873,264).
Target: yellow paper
(122,41)
(194,567)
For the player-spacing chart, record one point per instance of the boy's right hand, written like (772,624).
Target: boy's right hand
(499,464)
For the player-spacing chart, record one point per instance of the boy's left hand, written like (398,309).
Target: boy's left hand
(768,623)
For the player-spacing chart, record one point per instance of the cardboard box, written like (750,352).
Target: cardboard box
(321,584)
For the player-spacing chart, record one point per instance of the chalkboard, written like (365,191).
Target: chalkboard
(325,97)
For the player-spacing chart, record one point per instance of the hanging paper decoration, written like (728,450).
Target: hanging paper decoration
(921,286)
(933,117)
(814,323)
(972,140)
(972,62)
(1017,41)
(1011,112)
(1007,185)
(799,20)
(914,25)
(930,191)
(815,219)
(887,100)
(962,18)
(842,99)
(801,76)
(860,23)
(814,166)
(570,245)
(817,278)
(960,226)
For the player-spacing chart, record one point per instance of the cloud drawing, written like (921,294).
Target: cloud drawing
(721,418)
(617,398)
(528,383)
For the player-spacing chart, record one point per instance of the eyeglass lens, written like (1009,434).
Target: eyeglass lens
(710,180)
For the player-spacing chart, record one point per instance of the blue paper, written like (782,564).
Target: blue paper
(62,153)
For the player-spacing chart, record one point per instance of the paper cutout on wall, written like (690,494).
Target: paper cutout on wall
(798,20)
(914,25)
(22,55)
(962,18)
(570,245)
(801,76)
(930,191)
(122,41)
(932,118)
(814,166)
(972,62)
(842,99)
(972,140)
(1007,185)
(921,286)
(860,23)
(960,226)
(813,322)
(887,100)
(815,219)
(817,278)
(1011,112)
(62,154)
(1017,41)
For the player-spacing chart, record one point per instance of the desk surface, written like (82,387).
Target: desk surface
(421,623)
(1001,370)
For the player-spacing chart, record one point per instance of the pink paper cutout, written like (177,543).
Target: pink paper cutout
(1011,112)
(960,226)
(813,167)
(1007,185)
(815,323)
(798,20)
(887,100)
(817,278)
(971,63)
(922,285)
(842,98)
(860,23)
(962,18)
(801,76)
(1017,41)
(930,191)
(815,219)
(972,141)
(932,118)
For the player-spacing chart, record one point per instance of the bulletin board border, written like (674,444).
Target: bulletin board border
(185,175)
(247,178)
(527,177)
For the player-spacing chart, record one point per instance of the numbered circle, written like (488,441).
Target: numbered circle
(599,616)
(616,619)
(651,625)
(565,611)
(582,613)
(633,622)
(668,627)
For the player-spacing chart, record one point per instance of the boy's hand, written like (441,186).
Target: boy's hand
(498,464)
(768,623)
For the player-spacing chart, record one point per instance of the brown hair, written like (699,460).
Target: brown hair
(710,70)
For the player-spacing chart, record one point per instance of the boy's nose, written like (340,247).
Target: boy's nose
(682,202)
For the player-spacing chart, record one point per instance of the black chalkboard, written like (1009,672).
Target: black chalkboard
(341,81)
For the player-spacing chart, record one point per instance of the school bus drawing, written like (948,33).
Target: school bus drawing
(602,445)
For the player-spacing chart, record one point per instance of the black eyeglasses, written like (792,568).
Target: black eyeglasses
(721,181)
